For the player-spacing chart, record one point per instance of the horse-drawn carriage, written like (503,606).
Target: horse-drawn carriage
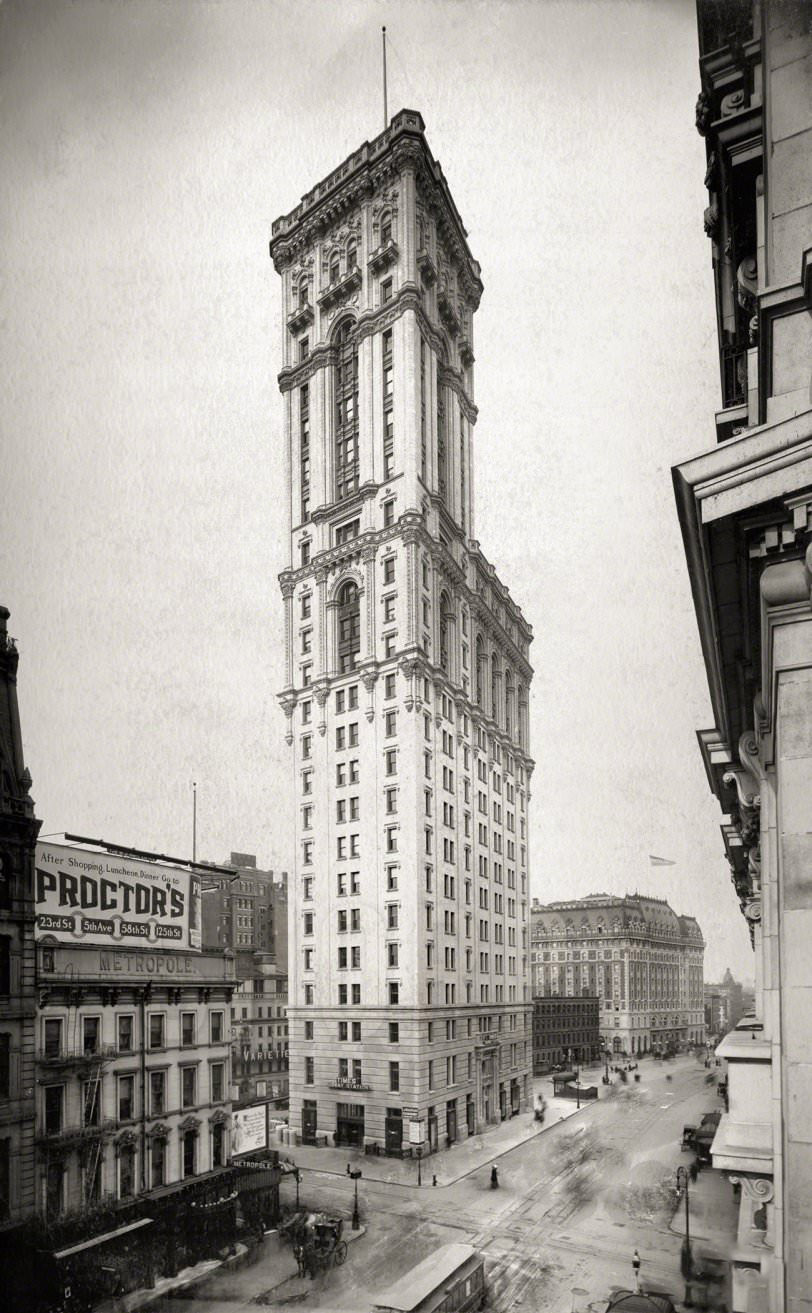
(316,1241)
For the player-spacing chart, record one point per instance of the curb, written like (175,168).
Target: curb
(486,1162)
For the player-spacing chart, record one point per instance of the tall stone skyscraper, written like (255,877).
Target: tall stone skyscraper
(407,676)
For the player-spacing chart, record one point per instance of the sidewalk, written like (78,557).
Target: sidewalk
(447,1165)
(713,1212)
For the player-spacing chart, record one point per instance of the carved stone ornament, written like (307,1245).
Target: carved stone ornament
(732,103)
(126,1140)
(747,283)
(703,113)
(710,171)
(752,910)
(160,1131)
(752,331)
(189,1123)
(711,220)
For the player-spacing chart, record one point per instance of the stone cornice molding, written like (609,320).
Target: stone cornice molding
(400,148)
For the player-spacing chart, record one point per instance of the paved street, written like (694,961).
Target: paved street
(573,1204)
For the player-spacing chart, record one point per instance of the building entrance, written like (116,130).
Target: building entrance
(470,1115)
(432,1129)
(393,1132)
(350,1124)
(309,1121)
(451,1120)
(515,1097)
(502,1102)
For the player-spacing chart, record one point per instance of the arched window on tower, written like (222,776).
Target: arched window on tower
(495,707)
(510,702)
(445,613)
(442,445)
(349,626)
(480,671)
(346,412)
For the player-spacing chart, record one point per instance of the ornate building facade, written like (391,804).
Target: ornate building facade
(133,1075)
(18,836)
(745,507)
(407,675)
(642,961)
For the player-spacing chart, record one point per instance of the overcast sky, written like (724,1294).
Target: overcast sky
(147,147)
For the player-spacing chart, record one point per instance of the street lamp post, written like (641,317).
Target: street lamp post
(687,1266)
(356,1221)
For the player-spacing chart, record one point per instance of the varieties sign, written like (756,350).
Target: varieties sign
(91,897)
(248,1129)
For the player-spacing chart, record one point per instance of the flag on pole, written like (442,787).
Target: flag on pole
(661,861)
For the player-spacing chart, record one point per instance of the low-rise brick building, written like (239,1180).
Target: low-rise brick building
(565,1030)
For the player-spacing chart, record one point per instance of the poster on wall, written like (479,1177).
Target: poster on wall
(248,1129)
(86,896)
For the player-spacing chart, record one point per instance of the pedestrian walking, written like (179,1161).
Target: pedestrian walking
(636,1266)
(494,1178)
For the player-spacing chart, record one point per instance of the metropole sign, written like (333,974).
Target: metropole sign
(87,896)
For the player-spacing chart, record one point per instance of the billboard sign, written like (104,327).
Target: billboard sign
(248,1129)
(86,896)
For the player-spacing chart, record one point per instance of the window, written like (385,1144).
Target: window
(308,1030)
(352,256)
(394,1075)
(187,1029)
(391,916)
(310,1071)
(125,1034)
(126,1172)
(188,1083)
(53,1100)
(189,1153)
(334,268)
(391,877)
(307,887)
(52,1038)
(394,1032)
(157,1025)
(390,722)
(349,628)
(394,993)
(346,532)
(304,552)
(218,1143)
(304,445)
(391,955)
(390,758)
(355,957)
(386,229)
(126,1102)
(157,1092)
(304,348)
(217,1082)
(386,290)
(157,1162)
(91,1030)
(346,412)
(389,609)
(388,513)
(389,686)
(389,570)
(355,994)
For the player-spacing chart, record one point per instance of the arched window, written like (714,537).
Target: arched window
(349,626)
(335,268)
(352,256)
(445,612)
(480,667)
(386,228)
(346,412)
(510,695)
(495,708)
(442,447)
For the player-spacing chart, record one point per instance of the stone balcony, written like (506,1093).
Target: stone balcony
(383,256)
(300,318)
(340,290)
